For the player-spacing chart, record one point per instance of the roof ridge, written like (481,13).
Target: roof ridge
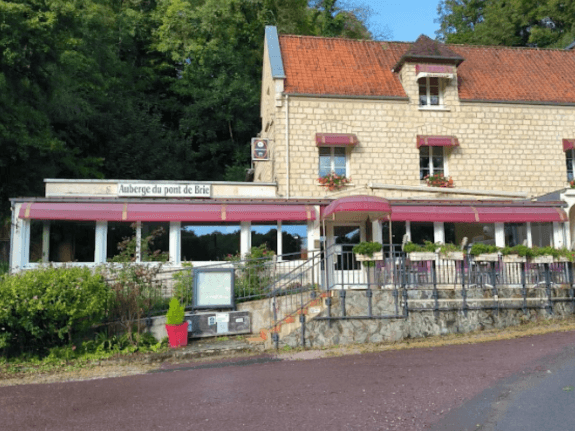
(518,48)
(301,36)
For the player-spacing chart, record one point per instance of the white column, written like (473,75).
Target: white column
(279,239)
(138,241)
(314,232)
(376,231)
(101,239)
(499,235)
(245,237)
(24,243)
(529,236)
(567,231)
(408,230)
(175,242)
(16,239)
(438,232)
(558,235)
(46,242)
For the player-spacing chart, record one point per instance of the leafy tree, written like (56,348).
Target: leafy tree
(544,23)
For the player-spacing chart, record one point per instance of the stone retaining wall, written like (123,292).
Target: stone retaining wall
(423,323)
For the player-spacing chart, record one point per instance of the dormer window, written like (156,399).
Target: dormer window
(430,92)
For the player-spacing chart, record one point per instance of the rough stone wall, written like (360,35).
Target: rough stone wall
(420,323)
(503,147)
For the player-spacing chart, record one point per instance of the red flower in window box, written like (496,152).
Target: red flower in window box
(438,180)
(572,184)
(333,181)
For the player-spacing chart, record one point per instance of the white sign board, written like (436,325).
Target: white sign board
(214,289)
(163,190)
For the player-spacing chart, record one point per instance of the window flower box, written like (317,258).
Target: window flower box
(454,255)
(562,259)
(546,258)
(438,180)
(418,256)
(513,258)
(333,181)
(487,257)
(368,258)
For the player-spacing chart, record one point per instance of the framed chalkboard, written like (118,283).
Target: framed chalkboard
(213,288)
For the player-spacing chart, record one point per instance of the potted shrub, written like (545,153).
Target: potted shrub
(484,253)
(368,252)
(176,328)
(417,252)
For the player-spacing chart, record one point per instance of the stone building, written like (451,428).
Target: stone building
(498,121)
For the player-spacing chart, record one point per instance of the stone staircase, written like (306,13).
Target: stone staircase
(291,322)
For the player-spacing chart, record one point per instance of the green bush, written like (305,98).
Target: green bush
(479,248)
(253,275)
(44,308)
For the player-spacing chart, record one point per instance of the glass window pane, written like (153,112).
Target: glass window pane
(339,161)
(449,229)
(36,229)
(155,241)
(72,241)
(324,161)
(119,236)
(265,234)
(205,242)
(422,92)
(515,234)
(397,232)
(437,159)
(421,232)
(423,162)
(569,160)
(541,234)
(294,241)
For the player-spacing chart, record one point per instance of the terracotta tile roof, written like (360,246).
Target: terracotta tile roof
(331,66)
(316,65)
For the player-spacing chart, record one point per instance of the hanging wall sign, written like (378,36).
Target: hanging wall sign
(164,190)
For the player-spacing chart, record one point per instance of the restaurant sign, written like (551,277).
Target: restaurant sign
(164,190)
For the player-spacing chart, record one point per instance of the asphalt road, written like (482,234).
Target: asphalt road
(490,384)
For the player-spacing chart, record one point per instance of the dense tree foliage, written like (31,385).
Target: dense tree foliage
(542,23)
(149,89)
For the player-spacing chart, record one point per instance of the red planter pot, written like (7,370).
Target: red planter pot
(177,335)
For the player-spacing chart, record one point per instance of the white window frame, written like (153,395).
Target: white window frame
(430,163)
(570,154)
(332,159)
(428,94)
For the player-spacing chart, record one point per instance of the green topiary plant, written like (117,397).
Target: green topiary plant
(175,314)
(367,248)
(479,248)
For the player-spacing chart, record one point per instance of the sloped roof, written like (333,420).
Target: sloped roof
(343,67)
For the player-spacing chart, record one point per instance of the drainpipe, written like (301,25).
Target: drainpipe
(287,145)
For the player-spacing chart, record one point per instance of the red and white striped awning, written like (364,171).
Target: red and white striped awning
(131,212)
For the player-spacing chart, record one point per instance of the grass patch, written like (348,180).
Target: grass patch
(87,354)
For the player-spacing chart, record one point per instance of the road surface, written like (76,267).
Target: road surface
(414,389)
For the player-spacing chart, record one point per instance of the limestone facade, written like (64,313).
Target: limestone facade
(507,150)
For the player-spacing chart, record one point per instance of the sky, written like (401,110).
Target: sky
(405,19)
